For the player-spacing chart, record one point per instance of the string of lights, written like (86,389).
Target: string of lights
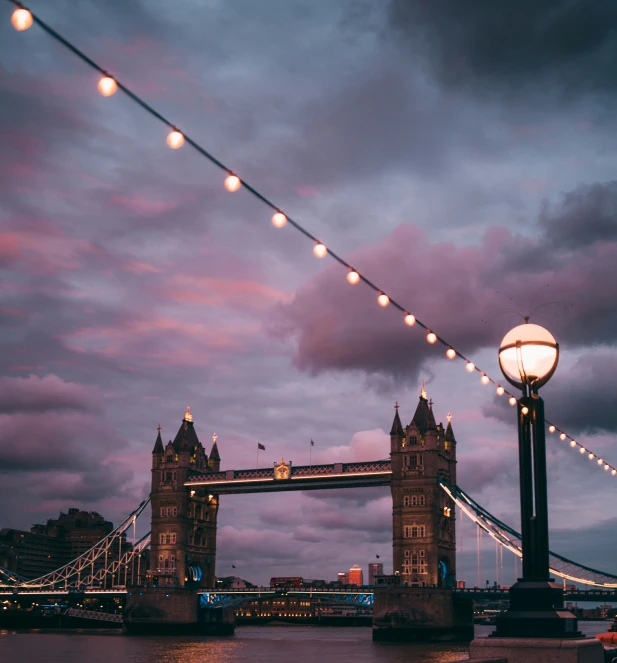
(22,19)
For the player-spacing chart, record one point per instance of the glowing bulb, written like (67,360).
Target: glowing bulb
(484,379)
(21,19)
(500,391)
(525,410)
(383,300)
(562,436)
(353,277)
(470,367)
(431,338)
(450,353)
(583,450)
(320,250)
(175,139)
(279,219)
(614,472)
(232,183)
(606,467)
(600,461)
(107,86)
(573,443)
(551,429)
(410,320)
(590,456)
(512,400)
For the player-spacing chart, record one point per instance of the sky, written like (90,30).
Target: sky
(461,155)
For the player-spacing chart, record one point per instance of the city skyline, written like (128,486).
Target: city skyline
(135,284)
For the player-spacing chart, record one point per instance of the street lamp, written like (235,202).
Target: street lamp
(528,357)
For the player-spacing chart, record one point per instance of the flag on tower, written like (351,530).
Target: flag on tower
(312,443)
(261,446)
(377,556)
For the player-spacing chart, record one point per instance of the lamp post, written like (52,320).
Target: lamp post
(528,358)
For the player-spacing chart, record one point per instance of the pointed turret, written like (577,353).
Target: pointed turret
(158,445)
(449,432)
(397,426)
(186,437)
(423,417)
(214,462)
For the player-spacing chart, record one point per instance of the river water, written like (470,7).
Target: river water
(251,644)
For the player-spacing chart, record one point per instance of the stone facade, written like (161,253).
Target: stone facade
(423,517)
(183,547)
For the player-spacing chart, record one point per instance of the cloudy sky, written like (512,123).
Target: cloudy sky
(461,155)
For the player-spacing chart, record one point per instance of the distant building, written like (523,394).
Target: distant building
(47,547)
(374,569)
(343,578)
(232,582)
(356,576)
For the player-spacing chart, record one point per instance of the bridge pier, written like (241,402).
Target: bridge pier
(173,611)
(403,614)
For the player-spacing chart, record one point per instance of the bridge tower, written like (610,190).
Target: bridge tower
(183,547)
(423,529)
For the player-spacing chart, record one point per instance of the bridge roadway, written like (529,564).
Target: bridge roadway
(286,477)
(483,594)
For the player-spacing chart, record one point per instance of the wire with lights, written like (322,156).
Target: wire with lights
(22,19)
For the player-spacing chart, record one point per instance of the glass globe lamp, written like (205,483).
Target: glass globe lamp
(528,356)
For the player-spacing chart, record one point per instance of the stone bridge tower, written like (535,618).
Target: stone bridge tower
(423,528)
(183,543)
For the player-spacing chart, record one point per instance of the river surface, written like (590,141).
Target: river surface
(251,644)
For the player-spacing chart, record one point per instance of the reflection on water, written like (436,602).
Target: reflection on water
(251,644)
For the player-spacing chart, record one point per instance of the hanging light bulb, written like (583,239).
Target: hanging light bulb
(431,338)
(563,436)
(583,450)
(232,183)
(512,400)
(591,456)
(613,472)
(573,443)
(383,300)
(353,277)
(107,86)
(606,467)
(279,219)
(450,353)
(600,461)
(21,19)
(410,320)
(320,250)
(525,410)
(551,429)
(500,390)
(175,139)
(485,379)
(470,367)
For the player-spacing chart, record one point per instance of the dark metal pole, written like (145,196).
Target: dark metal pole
(540,552)
(526,482)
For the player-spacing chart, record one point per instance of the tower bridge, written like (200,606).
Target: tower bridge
(175,587)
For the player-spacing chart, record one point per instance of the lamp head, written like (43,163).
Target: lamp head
(528,356)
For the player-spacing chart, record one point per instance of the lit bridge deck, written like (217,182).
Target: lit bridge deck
(305,477)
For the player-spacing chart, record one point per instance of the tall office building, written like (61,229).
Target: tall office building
(374,569)
(355,576)
(343,578)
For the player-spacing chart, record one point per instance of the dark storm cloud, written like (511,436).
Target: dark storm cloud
(39,394)
(582,400)
(519,46)
(461,293)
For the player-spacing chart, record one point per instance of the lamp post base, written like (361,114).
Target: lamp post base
(536,611)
